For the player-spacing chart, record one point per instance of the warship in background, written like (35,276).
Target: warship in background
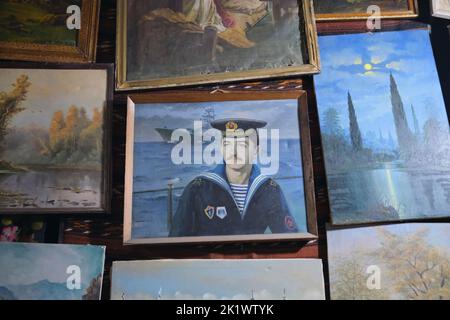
(207,117)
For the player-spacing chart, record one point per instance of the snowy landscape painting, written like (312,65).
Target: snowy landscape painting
(385,130)
(50,271)
(284,279)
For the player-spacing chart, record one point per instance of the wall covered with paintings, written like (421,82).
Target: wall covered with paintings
(360,120)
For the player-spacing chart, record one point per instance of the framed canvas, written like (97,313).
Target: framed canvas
(167,43)
(390,262)
(55,138)
(358,10)
(282,279)
(38,30)
(205,167)
(384,127)
(33,271)
(441,8)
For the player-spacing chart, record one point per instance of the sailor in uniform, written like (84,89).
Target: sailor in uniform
(234,198)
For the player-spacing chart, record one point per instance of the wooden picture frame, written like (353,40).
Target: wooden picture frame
(105,181)
(438,11)
(412,12)
(83,52)
(202,97)
(309,51)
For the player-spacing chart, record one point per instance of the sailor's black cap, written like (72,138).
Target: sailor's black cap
(233,124)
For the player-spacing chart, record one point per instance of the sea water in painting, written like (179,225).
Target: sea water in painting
(50,271)
(402,262)
(160,179)
(360,6)
(37,22)
(51,138)
(285,279)
(195,37)
(384,126)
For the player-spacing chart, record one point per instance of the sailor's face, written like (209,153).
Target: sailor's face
(238,152)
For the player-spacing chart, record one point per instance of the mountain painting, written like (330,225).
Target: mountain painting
(284,279)
(52,139)
(384,125)
(57,272)
(392,262)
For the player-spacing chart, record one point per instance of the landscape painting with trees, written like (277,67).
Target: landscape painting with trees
(402,262)
(51,138)
(384,127)
(37,21)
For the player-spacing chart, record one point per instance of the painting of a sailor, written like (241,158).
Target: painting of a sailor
(227,169)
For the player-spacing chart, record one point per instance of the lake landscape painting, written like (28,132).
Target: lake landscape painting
(392,262)
(50,271)
(52,140)
(283,279)
(384,125)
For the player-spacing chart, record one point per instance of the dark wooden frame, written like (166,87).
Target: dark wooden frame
(310,51)
(84,51)
(106,186)
(412,12)
(219,96)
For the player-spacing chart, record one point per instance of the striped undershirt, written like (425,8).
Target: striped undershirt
(240,193)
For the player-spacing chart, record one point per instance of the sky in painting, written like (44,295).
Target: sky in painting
(218,279)
(54,90)
(25,264)
(361,64)
(279,114)
(345,242)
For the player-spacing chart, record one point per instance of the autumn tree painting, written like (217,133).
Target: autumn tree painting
(10,105)
(74,138)
(414,262)
(51,138)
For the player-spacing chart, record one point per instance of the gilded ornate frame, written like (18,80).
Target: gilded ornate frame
(311,50)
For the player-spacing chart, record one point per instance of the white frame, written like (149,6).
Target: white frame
(438,11)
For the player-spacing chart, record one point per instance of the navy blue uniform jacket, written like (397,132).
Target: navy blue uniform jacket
(207,207)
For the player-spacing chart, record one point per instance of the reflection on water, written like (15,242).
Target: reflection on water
(389,193)
(51,189)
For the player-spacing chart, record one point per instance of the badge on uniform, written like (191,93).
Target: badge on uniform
(210,211)
(221,212)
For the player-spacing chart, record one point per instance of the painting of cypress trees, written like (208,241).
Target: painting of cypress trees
(384,127)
